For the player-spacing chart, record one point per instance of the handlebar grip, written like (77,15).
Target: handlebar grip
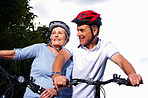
(141,82)
(41,90)
(128,83)
(36,88)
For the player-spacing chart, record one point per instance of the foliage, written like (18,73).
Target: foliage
(17,31)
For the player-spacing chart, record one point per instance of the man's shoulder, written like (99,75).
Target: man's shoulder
(103,42)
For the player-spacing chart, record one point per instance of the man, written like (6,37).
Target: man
(90,56)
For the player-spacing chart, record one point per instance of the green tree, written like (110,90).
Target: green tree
(17,31)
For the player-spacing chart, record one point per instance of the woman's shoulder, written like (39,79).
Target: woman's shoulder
(40,44)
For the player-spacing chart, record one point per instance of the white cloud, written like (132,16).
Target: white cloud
(84,2)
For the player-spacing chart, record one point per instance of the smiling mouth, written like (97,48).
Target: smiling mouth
(56,40)
(81,38)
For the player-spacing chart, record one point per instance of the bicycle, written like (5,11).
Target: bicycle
(98,84)
(12,80)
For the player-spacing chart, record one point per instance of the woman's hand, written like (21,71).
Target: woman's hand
(48,93)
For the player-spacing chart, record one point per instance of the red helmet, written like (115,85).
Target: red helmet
(88,17)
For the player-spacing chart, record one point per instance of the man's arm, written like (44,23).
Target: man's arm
(7,54)
(129,70)
(60,59)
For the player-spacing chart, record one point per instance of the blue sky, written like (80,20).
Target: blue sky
(124,24)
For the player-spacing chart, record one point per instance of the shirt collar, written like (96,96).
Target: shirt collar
(94,48)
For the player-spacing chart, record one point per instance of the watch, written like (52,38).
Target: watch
(53,73)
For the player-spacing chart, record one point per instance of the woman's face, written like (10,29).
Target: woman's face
(58,37)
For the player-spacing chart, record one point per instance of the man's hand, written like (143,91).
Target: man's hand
(59,80)
(135,79)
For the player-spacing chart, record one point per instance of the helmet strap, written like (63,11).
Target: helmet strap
(58,49)
(93,36)
(53,46)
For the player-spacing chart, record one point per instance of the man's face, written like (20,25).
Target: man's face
(58,37)
(84,34)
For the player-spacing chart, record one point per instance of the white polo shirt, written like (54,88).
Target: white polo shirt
(89,64)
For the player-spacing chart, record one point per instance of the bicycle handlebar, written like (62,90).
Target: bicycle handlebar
(38,89)
(21,80)
(30,83)
(116,79)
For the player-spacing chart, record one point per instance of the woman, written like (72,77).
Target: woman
(44,55)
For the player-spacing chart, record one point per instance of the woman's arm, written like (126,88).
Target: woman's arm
(7,54)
